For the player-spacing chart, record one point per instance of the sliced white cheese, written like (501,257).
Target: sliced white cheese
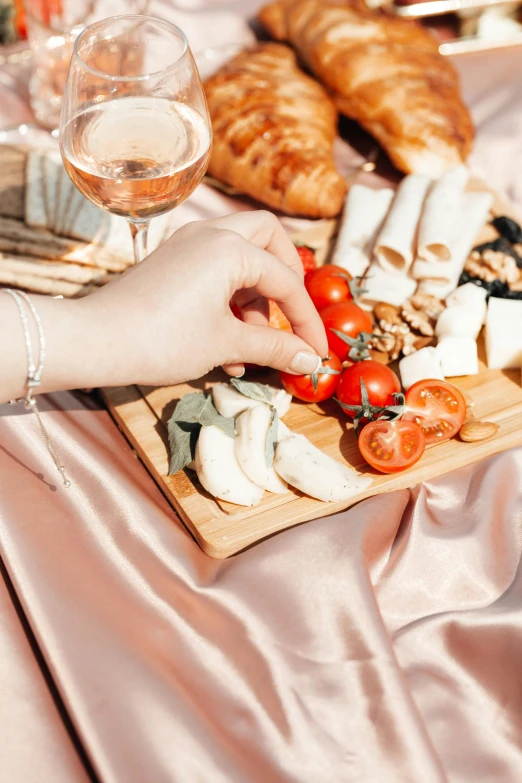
(395,243)
(383,286)
(230,403)
(219,471)
(441,215)
(469,294)
(458,356)
(251,432)
(475,212)
(504,333)
(364,212)
(313,472)
(460,320)
(420,366)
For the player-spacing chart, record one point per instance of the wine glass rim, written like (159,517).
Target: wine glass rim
(138,78)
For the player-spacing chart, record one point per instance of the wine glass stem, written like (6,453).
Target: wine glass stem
(139,232)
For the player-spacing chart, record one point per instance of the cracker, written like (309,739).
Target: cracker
(66,192)
(54,270)
(88,222)
(13,161)
(35,214)
(52,167)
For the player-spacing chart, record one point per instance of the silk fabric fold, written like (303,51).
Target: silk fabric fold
(381,644)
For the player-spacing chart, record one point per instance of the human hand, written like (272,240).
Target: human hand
(170,316)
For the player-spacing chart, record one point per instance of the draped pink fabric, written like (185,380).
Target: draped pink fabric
(380,645)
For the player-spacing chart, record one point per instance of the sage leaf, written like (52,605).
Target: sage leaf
(191,413)
(183,430)
(256,391)
(271,439)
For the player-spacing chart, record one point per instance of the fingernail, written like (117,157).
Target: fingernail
(305,363)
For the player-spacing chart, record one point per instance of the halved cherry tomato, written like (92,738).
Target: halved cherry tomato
(348,318)
(328,285)
(380,381)
(391,446)
(438,407)
(325,383)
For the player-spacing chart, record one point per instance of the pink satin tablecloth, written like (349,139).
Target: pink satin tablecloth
(380,645)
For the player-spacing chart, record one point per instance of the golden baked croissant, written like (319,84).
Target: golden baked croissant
(274,129)
(384,72)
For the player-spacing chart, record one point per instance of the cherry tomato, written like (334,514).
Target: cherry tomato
(381,384)
(307,257)
(391,446)
(346,317)
(302,386)
(438,407)
(328,285)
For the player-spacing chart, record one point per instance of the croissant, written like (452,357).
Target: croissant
(384,72)
(274,129)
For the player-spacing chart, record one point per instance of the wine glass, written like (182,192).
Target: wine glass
(135,134)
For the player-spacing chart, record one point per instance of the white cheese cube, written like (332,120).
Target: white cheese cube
(458,356)
(460,320)
(419,366)
(469,294)
(504,333)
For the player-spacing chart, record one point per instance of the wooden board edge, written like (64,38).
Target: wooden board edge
(115,398)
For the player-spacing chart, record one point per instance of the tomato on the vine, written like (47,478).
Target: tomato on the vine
(348,318)
(380,381)
(328,285)
(317,387)
(391,446)
(438,407)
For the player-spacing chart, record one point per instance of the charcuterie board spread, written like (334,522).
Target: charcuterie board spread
(222,528)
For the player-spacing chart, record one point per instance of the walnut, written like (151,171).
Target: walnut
(417,320)
(493,265)
(428,303)
(393,344)
(409,344)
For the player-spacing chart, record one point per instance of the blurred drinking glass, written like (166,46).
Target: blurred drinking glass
(52,27)
(135,132)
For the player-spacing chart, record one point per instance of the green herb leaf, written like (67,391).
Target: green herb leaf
(183,430)
(356,289)
(271,439)
(256,391)
(191,413)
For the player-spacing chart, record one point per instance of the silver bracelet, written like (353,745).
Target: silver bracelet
(34,371)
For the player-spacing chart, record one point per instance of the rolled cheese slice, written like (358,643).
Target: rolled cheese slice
(313,472)
(426,270)
(394,247)
(475,212)
(461,320)
(419,366)
(440,215)
(504,333)
(469,294)
(219,471)
(383,286)
(458,356)
(364,212)
(250,442)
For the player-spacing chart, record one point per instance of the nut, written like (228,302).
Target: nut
(428,303)
(417,320)
(477,430)
(493,265)
(387,312)
(380,356)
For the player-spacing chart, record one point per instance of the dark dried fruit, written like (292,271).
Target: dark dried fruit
(496,288)
(508,228)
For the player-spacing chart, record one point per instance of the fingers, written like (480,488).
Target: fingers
(264,230)
(274,280)
(269,347)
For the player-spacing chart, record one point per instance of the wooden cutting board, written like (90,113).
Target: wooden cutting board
(221,528)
